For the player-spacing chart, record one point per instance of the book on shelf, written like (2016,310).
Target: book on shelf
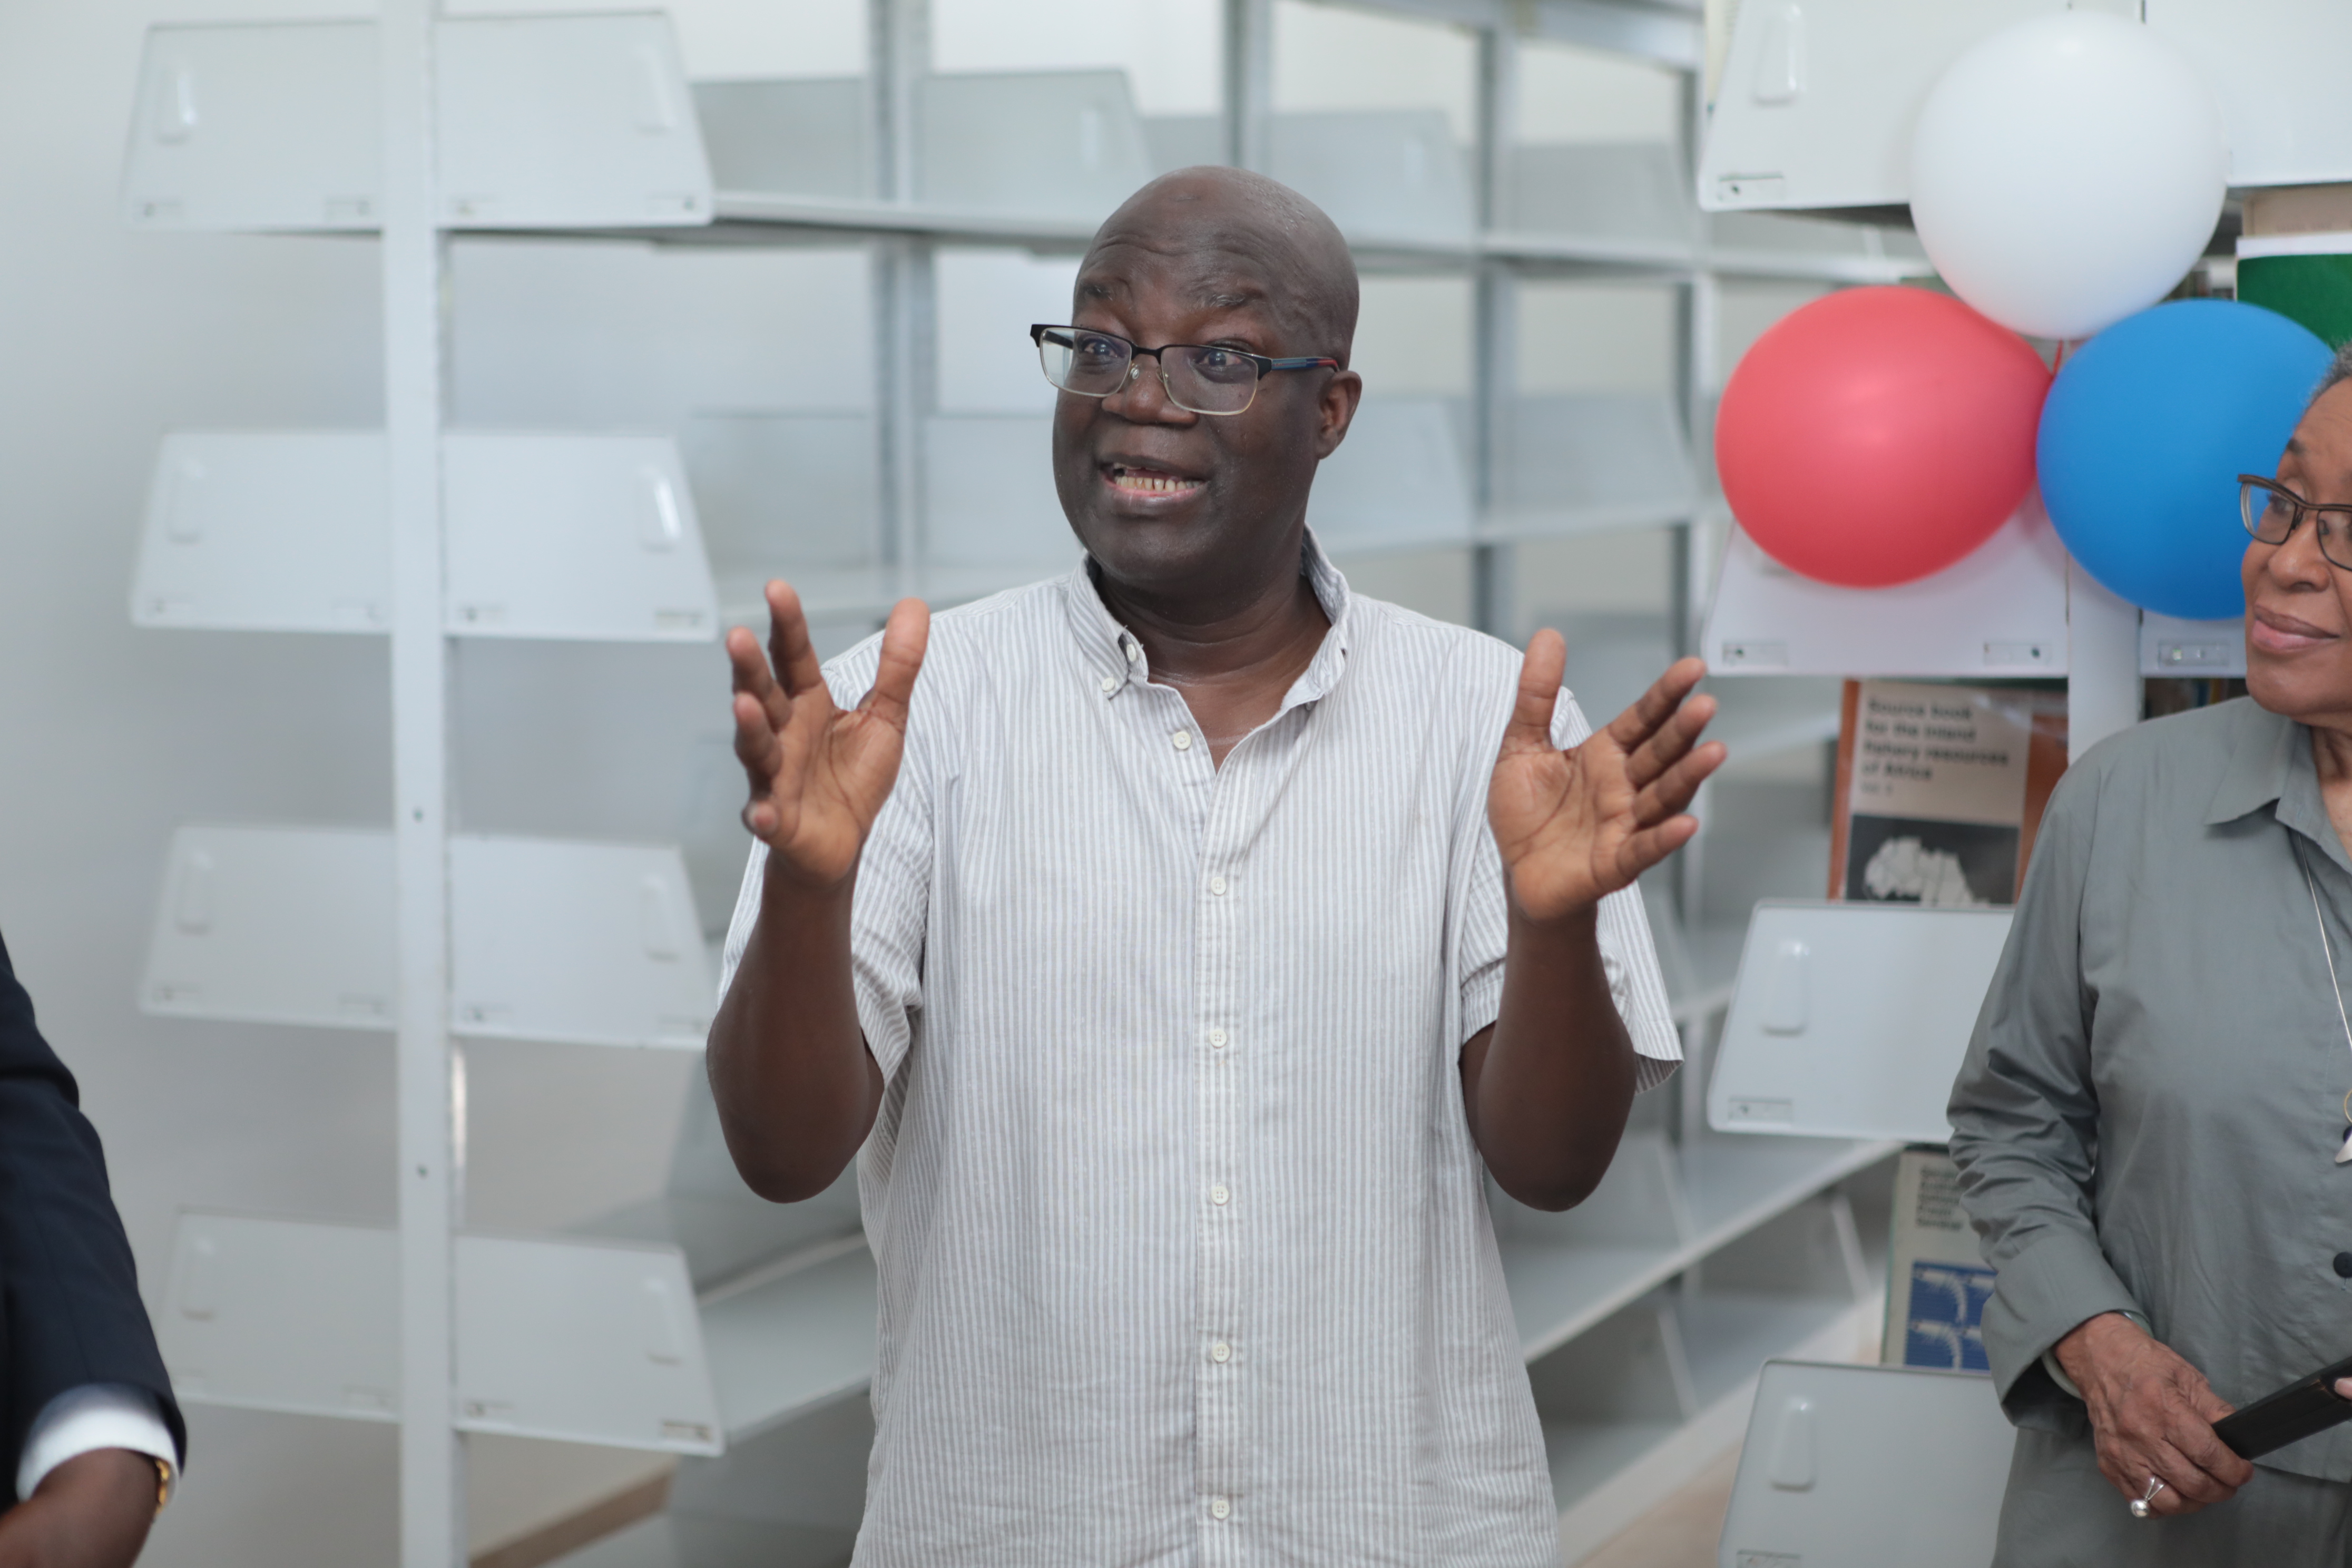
(1938,1283)
(1940,789)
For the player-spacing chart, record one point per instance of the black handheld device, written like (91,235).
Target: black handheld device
(2310,1404)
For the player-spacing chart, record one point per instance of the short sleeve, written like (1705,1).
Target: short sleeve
(1627,955)
(891,908)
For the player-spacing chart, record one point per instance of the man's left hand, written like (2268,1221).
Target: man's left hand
(1575,827)
(92,1511)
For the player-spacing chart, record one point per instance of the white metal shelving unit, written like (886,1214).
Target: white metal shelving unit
(705,1322)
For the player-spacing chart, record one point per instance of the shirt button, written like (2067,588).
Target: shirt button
(1182,739)
(1217,1038)
(1220,1353)
(2344,1265)
(1219,1508)
(1217,886)
(1218,1195)
(1109,684)
(1133,653)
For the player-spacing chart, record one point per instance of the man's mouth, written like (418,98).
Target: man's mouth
(1137,480)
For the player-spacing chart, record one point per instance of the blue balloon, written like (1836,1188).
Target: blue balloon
(2145,433)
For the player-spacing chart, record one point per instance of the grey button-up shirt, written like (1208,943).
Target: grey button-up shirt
(1183,1242)
(2150,1109)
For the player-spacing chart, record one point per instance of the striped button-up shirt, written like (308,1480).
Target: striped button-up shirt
(1182,1238)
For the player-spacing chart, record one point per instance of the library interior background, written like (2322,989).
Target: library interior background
(1665,306)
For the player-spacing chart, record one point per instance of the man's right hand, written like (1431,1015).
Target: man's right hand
(818,776)
(2152,1415)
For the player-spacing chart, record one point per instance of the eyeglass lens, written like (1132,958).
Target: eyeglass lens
(1198,380)
(2270,515)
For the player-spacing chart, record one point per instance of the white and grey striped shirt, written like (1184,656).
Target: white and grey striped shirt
(1183,1238)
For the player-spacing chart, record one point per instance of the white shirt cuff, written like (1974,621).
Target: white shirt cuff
(96,1416)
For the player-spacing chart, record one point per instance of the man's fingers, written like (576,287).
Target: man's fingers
(903,641)
(757,746)
(749,664)
(788,641)
(1671,793)
(1656,705)
(1665,744)
(1646,847)
(1539,681)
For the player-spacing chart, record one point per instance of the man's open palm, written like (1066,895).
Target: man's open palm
(1575,827)
(818,774)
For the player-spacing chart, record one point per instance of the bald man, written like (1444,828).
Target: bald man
(1182,941)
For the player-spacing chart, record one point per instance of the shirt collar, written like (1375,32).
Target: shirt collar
(1104,642)
(2270,765)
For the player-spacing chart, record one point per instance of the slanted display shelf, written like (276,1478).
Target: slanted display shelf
(2002,611)
(1659,1211)
(571,942)
(1784,137)
(1647,1397)
(550,536)
(587,1341)
(274,127)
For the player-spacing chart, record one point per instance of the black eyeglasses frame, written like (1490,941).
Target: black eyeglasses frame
(2250,483)
(1135,352)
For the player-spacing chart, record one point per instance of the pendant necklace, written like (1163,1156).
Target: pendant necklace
(2327,950)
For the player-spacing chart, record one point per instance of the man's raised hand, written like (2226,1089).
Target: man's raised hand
(1575,827)
(819,774)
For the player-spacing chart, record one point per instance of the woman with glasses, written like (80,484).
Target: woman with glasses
(2154,1124)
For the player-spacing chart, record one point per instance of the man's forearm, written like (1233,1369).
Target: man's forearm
(795,1085)
(1548,1087)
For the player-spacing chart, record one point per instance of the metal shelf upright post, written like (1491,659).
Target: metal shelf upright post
(1496,317)
(428,1072)
(905,300)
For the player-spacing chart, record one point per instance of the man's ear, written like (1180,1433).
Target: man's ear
(1337,406)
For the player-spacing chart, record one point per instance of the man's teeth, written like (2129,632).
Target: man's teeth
(1152,484)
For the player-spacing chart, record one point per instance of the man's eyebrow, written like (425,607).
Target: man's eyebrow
(2294,446)
(1094,290)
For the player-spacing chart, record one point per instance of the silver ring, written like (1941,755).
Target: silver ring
(2139,1504)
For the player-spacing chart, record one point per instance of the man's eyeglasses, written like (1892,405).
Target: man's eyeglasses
(1199,378)
(2271,512)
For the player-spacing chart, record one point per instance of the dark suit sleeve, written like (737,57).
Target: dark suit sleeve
(70,1307)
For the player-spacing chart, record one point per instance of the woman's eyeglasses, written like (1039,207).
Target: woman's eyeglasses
(2271,512)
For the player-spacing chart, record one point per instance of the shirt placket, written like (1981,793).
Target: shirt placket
(1224,1051)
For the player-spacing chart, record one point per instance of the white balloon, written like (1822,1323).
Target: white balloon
(2066,172)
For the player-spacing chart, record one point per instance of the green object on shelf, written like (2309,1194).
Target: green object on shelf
(2316,291)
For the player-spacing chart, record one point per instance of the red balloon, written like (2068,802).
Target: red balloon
(1877,436)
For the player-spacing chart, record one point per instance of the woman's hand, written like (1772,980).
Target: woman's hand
(2153,1415)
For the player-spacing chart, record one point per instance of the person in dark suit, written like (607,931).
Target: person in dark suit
(90,1439)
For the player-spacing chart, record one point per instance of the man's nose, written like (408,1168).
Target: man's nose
(1144,399)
